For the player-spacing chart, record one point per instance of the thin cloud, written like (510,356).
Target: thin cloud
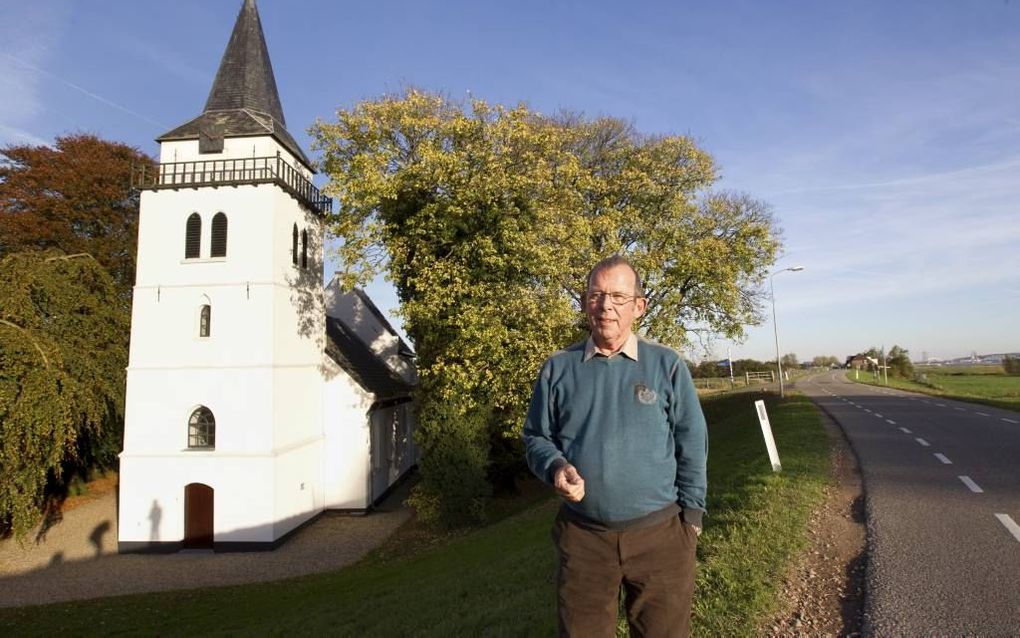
(82,90)
(13,135)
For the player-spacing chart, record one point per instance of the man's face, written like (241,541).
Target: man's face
(611,323)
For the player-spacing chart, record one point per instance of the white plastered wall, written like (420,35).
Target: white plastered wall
(346,463)
(259,371)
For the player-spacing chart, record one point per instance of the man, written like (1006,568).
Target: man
(615,427)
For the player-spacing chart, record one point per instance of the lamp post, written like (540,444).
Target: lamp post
(775,328)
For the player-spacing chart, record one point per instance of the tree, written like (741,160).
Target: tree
(899,363)
(790,361)
(62,357)
(823,361)
(75,197)
(487,218)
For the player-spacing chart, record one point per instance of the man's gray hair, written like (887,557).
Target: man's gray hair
(612,262)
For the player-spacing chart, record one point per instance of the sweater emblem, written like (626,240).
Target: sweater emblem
(644,394)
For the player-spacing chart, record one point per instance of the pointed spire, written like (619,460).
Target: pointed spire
(243,100)
(245,78)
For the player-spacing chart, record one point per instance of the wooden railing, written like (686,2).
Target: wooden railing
(233,172)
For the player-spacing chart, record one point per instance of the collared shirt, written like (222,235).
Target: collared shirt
(628,350)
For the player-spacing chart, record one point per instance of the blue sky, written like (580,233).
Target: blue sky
(885,135)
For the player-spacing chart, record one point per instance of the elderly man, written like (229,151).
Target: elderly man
(615,427)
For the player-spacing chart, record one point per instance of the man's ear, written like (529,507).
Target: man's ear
(640,305)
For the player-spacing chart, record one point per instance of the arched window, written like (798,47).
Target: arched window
(193,237)
(219,236)
(204,320)
(202,429)
(304,249)
(293,247)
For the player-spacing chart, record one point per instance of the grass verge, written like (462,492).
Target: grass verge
(498,580)
(997,390)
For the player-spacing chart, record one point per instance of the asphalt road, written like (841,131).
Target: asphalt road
(942,485)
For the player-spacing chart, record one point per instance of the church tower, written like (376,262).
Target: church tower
(223,440)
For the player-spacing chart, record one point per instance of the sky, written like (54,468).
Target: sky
(884,135)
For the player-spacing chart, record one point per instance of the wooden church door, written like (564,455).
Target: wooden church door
(198,516)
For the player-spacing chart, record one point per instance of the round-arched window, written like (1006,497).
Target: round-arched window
(202,429)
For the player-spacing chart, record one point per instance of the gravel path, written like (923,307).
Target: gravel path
(77,557)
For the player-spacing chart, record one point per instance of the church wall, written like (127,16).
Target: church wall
(242,512)
(160,402)
(250,240)
(346,463)
(298,491)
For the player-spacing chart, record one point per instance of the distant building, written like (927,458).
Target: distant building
(861,362)
(256,399)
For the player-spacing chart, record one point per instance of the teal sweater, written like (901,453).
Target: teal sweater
(633,429)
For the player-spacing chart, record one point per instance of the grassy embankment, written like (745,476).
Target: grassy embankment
(979,384)
(498,580)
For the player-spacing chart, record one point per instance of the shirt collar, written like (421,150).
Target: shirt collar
(629,349)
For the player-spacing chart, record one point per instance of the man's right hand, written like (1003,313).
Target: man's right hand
(568,483)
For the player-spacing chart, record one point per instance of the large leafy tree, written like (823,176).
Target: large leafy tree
(74,196)
(62,357)
(487,218)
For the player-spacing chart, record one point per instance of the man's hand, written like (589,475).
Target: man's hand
(568,483)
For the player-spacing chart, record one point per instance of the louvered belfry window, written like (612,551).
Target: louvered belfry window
(193,237)
(304,249)
(219,236)
(293,248)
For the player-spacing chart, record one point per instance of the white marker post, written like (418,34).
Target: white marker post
(766,431)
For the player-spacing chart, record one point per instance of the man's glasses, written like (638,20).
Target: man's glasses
(616,298)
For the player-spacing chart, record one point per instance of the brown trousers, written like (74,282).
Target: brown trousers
(655,565)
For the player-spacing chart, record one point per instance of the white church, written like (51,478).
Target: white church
(257,398)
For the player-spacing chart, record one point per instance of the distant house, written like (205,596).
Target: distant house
(861,362)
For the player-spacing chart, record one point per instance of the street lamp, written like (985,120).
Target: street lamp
(775,328)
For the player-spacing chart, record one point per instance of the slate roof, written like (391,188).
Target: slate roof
(244,100)
(365,367)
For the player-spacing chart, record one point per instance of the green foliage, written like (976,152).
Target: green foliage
(823,361)
(1011,364)
(790,361)
(487,219)
(63,350)
(899,363)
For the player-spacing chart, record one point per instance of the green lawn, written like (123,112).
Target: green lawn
(498,580)
(990,386)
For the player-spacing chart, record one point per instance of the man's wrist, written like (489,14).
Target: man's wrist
(692,517)
(555,467)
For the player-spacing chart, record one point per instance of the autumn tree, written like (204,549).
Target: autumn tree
(62,357)
(74,196)
(487,218)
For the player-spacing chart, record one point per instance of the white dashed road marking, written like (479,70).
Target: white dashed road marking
(890,422)
(922,442)
(1009,420)
(971,485)
(878,415)
(940,405)
(867,410)
(1010,524)
(905,431)
(982,414)
(959,409)
(942,457)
